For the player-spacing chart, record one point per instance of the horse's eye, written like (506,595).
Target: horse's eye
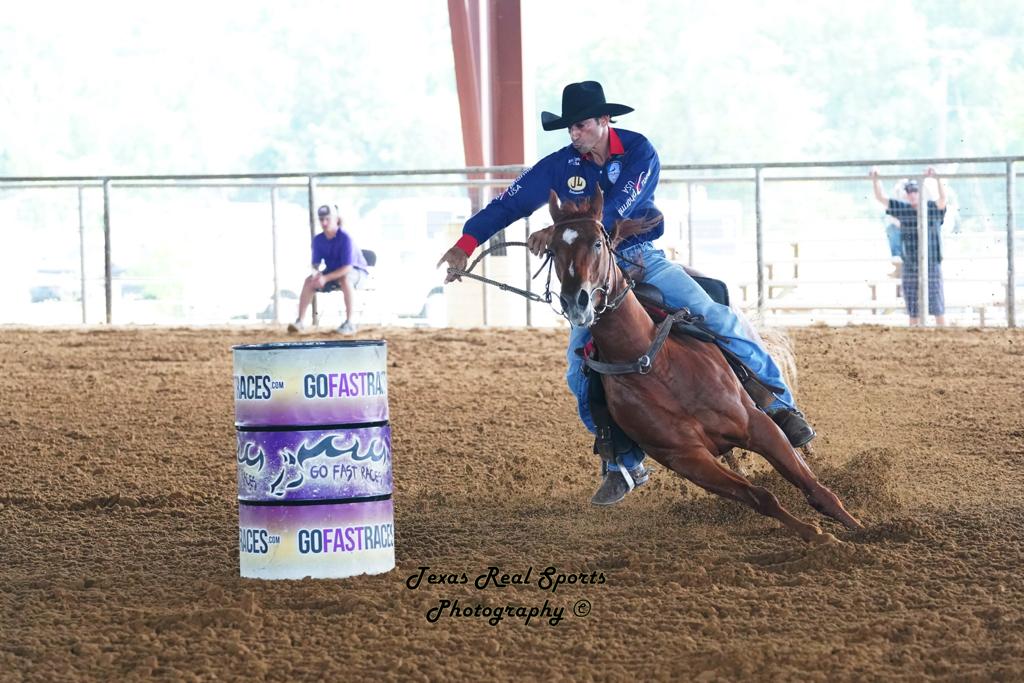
(597,245)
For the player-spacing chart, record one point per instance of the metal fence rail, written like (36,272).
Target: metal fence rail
(758,177)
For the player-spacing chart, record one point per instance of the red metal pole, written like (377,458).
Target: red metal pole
(465,38)
(506,62)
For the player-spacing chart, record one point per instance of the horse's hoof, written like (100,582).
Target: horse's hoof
(809,532)
(853,524)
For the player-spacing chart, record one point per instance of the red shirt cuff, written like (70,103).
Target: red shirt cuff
(468,244)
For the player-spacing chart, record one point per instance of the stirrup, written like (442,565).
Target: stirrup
(616,465)
(630,484)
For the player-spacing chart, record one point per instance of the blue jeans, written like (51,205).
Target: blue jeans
(680,290)
(892,233)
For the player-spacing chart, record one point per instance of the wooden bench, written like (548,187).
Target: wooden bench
(882,307)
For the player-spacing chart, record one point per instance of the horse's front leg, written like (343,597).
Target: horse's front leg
(696,463)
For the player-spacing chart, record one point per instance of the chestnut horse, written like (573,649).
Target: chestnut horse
(689,407)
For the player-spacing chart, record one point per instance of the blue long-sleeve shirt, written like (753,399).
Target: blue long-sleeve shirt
(628,180)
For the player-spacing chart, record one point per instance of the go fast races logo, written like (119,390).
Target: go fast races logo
(346,539)
(256,387)
(256,541)
(344,384)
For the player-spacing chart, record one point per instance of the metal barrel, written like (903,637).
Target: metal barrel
(313,459)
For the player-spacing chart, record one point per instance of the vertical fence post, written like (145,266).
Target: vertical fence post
(529,314)
(483,287)
(759,229)
(311,201)
(81,250)
(273,252)
(108,285)
(689,224)
(922,254)
(1011,274)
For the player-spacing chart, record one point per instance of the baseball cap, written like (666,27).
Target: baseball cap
(324,210)
(910,186)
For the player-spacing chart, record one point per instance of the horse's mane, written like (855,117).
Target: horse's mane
(593,207)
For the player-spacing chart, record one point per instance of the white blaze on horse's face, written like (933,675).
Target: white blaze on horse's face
(578,262)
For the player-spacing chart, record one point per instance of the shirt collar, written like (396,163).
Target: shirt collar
(614,143)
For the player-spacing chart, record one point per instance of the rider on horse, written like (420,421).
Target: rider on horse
(625,166)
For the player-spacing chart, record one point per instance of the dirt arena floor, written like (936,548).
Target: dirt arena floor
(118,523)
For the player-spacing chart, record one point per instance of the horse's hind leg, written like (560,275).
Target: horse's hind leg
(769,441)
(700,467)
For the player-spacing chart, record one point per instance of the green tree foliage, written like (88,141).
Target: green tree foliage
(748,81)
(220,87)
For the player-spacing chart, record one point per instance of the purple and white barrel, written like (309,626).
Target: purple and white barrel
(314,459)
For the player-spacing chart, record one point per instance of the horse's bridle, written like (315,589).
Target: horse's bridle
(607,304)
(549,254)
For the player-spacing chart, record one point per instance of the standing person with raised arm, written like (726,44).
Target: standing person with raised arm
(906,213)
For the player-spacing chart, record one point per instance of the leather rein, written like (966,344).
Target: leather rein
(548,263)
(505,287)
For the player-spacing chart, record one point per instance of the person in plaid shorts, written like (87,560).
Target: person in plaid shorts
(907,213)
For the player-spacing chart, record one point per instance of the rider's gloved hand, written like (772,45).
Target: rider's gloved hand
(455,258)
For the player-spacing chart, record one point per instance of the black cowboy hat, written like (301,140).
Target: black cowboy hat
(581,101)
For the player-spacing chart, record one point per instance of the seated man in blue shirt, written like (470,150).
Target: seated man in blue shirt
(344,268)
(625,166)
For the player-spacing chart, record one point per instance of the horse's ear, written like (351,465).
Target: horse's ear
(597,204)
(613,236)
(553,207)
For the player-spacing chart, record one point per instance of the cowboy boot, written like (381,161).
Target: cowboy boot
(614,485)
(609,442)
(793,424)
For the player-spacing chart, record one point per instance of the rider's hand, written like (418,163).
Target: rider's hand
(455,258)
(538,242)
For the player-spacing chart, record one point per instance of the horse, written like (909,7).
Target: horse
(687,406)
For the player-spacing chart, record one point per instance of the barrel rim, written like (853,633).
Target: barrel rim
(326,427)
(306,345)
(312,502)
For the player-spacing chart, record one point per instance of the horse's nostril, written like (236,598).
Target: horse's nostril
(583,298)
